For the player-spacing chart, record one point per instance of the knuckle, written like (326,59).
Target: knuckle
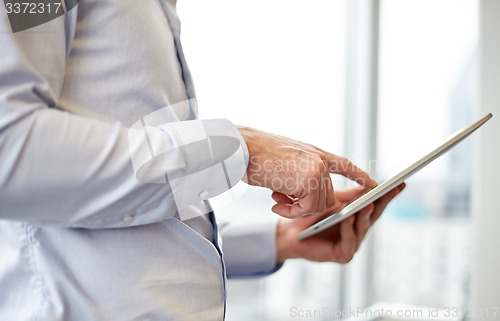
(323,157)
(317,168)
(319,160)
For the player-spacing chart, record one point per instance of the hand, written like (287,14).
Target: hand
(298,173)
(338,243)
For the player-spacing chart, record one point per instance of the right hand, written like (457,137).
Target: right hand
(298,171)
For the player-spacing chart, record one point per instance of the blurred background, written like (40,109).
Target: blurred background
(381,82)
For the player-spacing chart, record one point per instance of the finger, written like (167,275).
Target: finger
(303,206)
(282,209)
(330,194)
(348,239)
(349,195)
(381,203)
(282,198)
(322,184)
(363,222)
(344,167)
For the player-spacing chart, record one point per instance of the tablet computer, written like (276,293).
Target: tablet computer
(388,185)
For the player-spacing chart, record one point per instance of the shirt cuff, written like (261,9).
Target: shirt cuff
(249,248)
(196,159)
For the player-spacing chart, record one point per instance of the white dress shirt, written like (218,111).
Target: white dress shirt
(97,221)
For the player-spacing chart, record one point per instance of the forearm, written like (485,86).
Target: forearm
(61,168)
(64,169)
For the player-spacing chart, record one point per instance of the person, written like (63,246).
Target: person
(106,173)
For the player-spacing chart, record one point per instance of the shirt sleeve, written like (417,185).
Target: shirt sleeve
(249,248)
(63,169)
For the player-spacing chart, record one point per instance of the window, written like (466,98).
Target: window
(427,90)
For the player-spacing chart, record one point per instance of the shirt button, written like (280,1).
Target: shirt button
(127,219)
(203,194)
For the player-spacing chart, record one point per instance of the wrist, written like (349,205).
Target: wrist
(282,245)
(250,136)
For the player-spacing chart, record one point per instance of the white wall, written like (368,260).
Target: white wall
(486,264)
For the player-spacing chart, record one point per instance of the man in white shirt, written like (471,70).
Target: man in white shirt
(105,173)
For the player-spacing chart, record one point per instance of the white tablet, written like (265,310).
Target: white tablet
(388,185)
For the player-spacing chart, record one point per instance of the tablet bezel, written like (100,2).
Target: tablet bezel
(388,185)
